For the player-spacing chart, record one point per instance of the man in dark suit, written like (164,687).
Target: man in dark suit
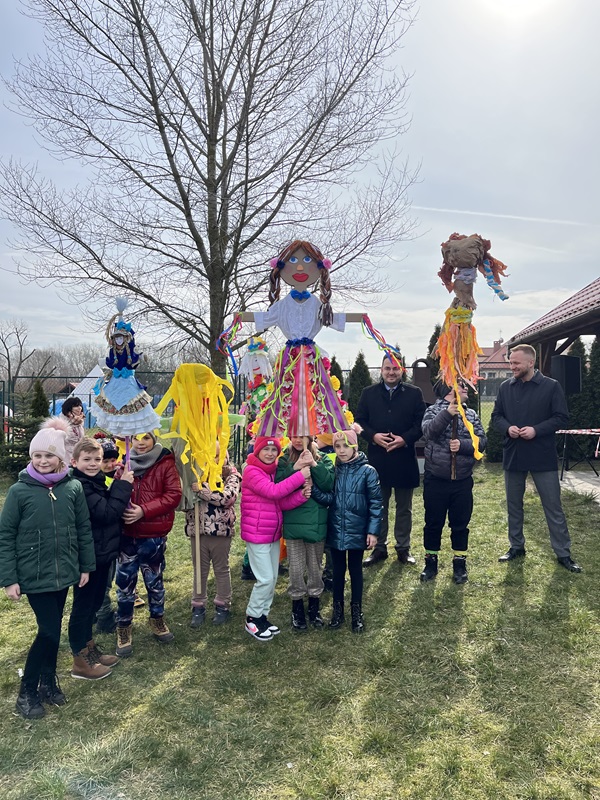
(390,413)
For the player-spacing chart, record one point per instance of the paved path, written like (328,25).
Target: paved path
(581,482)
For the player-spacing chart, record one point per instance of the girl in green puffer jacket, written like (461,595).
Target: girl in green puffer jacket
(46,545)
(304,531)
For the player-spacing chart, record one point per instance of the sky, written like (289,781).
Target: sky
(505,108)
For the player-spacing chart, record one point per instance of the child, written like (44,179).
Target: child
(263,501)
(441,494)
(73,414)
(46,546)
(148,520)
(217,526)
(304,531)
(106,507)
(354,522)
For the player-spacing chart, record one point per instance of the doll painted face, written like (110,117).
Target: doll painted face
(300,270)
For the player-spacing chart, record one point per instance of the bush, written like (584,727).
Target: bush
(493,451)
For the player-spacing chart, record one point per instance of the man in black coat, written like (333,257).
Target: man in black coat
(390,413)
(529,409)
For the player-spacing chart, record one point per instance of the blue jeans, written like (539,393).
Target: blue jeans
(147,554)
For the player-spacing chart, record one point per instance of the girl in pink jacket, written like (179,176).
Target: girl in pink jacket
(263,502)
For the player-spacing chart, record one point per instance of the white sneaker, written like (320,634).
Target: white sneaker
(257,628)
(270,627)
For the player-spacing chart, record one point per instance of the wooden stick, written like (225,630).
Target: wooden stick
(197,546)
(453,435)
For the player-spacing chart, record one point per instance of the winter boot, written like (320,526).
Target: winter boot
(198,617)
(28,702)
(358,623)
(337,618)
(101,658)
(221,615)
(50,691)
(298,616)
(160,630)
(247,574)
(459,568)
(431,567)
(124,641)
(314,615)
(86,667)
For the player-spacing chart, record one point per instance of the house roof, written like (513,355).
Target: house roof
(497,359)
(578,315)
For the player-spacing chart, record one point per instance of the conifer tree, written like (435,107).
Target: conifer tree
(434,363)
(336,370)
(359,378)
(39,401)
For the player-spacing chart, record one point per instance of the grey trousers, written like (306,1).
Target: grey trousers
(403,522)
(548,487)
(305,558)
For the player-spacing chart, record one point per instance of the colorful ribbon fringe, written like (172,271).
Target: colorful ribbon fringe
(458,350)
(391,352)
(226,339)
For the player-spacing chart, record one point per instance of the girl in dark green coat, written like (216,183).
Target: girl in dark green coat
(304,531)
(46,545)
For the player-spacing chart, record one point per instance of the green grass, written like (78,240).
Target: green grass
(490,690)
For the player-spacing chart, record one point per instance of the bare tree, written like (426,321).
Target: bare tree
(213,131)
(16,356)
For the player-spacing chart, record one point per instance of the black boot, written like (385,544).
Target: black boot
(28,702)
(50,691)
(431,567)
(459,567)
(337,618)
(358,623)
(314,615)
(247,574)
(298,616)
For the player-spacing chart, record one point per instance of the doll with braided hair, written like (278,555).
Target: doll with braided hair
(303,401)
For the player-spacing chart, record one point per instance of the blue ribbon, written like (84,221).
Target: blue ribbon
(123,326)
(300,295)
(122,373)
(299,342)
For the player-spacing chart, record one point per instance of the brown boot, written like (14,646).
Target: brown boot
(124,641)
(160,630)
(99,656)
(85,666)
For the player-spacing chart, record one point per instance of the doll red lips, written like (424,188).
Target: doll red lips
(300,276)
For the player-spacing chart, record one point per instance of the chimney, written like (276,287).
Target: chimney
(498,344)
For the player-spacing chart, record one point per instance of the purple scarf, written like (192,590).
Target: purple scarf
(48,479)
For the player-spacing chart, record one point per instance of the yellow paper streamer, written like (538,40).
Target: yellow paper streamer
(200,420)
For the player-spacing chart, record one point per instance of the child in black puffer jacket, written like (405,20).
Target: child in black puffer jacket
(106,507)
(441,494)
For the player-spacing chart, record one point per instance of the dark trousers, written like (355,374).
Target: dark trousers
(454,498)
(403,520)
(548,487)
(48,608)
(105,612)
(338,558)
(86,602)
(147,554)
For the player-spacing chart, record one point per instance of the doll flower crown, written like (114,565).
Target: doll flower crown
(277,263)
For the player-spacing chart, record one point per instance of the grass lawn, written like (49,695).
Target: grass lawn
(490,690)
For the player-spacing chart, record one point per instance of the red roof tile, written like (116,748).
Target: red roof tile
(582,303)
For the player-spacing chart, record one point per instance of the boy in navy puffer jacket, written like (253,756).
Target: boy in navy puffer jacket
(441,494)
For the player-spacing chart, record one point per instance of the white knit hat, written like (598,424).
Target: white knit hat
(51,438)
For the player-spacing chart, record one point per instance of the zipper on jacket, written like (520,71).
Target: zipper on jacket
(52,497)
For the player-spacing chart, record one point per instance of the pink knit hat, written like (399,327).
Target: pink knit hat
(350,437)
(51,438)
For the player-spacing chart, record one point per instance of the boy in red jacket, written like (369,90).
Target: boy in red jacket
(149,518)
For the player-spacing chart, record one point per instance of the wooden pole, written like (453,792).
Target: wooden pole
(453,435)
(198,570)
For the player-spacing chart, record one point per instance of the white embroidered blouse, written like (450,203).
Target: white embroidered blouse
(296,319)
